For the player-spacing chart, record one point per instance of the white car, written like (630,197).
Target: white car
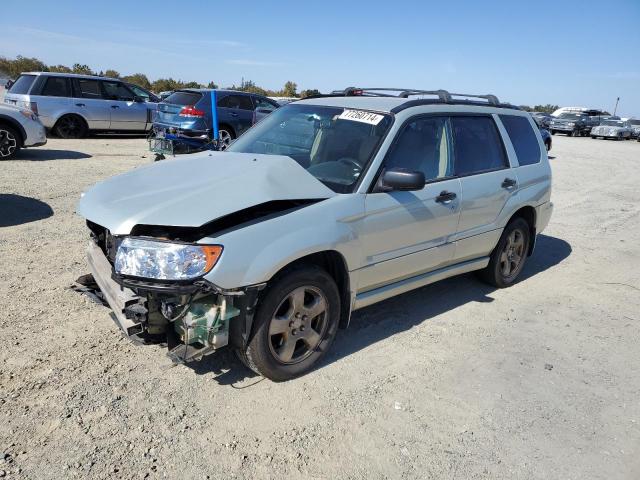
(19,127)
(616,129)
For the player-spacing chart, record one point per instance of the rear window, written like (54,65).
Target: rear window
(183,98)
(524,140)
(89,88)
(22,85)
(56,87)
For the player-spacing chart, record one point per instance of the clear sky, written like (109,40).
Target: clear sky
(566,52)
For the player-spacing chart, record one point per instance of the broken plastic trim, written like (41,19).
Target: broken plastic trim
(254,214)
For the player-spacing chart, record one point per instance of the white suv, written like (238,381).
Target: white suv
(327,205)
(19,127)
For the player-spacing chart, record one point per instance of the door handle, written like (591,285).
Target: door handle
(80,105)
(509,183)
(115,106)
(445,197)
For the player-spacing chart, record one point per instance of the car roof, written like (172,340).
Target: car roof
(223,90)
(74,75)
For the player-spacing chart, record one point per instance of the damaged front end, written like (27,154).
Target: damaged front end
(194,319)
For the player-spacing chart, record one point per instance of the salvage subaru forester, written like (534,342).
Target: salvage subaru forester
(328,205)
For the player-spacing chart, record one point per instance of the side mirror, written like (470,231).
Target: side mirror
(401,179)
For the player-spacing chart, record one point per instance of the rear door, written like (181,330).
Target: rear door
(236,110)
(409,233)
(487,181)
(126,113)
(90,103)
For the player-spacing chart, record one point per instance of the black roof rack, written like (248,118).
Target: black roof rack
(443,96)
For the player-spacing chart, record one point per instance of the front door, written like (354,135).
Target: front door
(126,113)
(408,233)
(236,110)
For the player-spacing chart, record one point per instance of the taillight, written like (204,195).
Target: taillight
(191,111)
(34,107)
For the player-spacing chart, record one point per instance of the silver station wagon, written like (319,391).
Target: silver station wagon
(328,205)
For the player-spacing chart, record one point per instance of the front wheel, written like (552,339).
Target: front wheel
(225,137)
(508,258)
(295,324)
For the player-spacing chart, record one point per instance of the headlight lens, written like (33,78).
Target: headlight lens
(159,260)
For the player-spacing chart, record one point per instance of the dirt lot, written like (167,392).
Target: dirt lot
(454,380)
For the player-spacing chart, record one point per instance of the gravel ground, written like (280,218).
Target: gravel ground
(455,380)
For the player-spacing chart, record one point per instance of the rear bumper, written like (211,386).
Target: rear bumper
(119,298)
(543,215)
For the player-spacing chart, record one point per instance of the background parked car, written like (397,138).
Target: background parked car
(19,128)
(573,124)
(616,129)
(187,113)
(635,128)
(546,138)
(72,105)
(542,118)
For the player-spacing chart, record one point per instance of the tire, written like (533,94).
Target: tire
(226,135)
(553,132)
(594,137)
(10,142)
(70,126)
(517,233)
(547,144)
(287,343)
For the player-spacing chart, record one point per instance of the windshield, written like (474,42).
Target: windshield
(333,144)
(572,116)
(613,123)
(635,122)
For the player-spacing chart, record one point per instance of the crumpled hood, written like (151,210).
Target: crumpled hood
(192,190)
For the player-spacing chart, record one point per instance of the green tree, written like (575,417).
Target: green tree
(139,79)
(290,89)
(212,84)
(112,73)
(309,93)
(548,108)
(14,68)
(82,69)
(191,85)
(166,84)
(60,69)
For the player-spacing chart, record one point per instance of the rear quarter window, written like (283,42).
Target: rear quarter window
(56,87)
(22,85)
(523,138)
(183,98)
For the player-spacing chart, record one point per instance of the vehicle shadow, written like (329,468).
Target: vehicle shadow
(385,319)
(121,136)
(16,210)
(398,314)
(44,154)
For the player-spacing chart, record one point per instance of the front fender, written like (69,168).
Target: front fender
(254,253)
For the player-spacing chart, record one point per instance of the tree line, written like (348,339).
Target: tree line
(12,68)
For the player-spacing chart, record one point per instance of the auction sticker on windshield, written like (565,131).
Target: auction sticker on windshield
(361,116)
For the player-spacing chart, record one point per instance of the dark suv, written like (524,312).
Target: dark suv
(576,124)
(187,114)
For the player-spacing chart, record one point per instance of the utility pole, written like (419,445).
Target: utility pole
(616,108)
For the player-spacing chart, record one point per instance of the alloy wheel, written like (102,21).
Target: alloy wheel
(224,139)
(512,254)
(298,325)
(69,127)
(8,143)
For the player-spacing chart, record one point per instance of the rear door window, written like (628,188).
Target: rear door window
(477,145)
(183,98)
(89,88)
(22,85)
(523,138)
(56,87)
(242,102)
(265,104)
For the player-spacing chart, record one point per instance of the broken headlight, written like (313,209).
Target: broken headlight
(160,260)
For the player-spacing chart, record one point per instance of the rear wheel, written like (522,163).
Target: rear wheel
(70,126)
(295,324)
(225,136)
(508,258)
(10,142)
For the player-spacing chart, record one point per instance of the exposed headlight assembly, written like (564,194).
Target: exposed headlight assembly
(159,260)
